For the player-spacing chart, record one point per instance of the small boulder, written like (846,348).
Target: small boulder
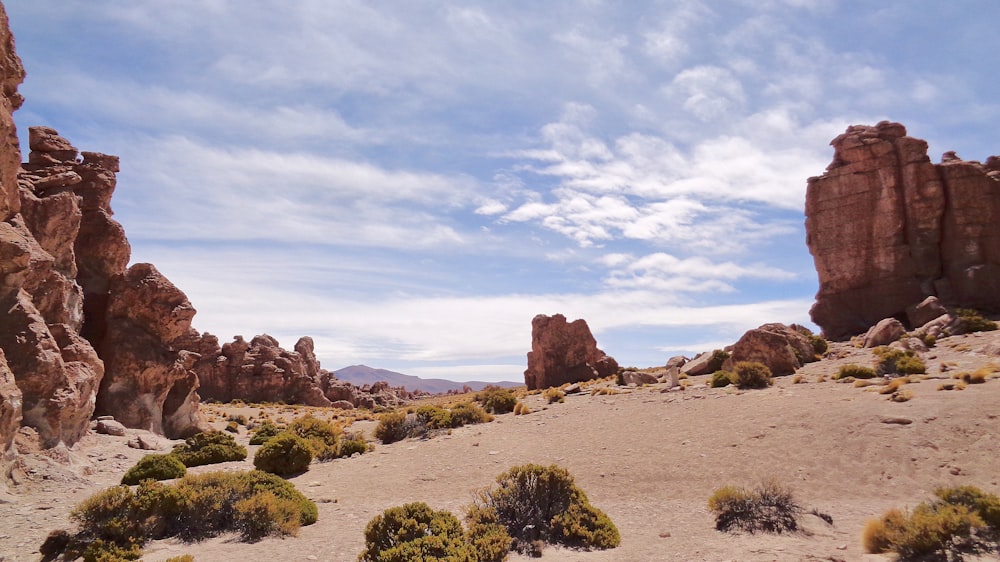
(885,332)
(110,427)
(637,378)
(782,348)
(925,311)
(700,365)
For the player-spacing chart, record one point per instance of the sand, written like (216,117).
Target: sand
(648,456)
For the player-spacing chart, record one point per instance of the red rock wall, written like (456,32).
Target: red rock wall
(564,352)
(887,228)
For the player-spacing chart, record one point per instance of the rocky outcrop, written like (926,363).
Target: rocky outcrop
(887,228)
(782,348)
(563,352)
(262,371)
(149,382)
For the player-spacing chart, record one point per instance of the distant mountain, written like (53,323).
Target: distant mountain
(363,374)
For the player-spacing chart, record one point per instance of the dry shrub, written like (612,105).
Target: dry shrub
(321,436)
(496,400)
(752,374)
(115,523)
(721,379)
(973,321)
(798,379)
(890,360)
(978,376)
(542,503)
(521,409)
(951,386)
(768,508)
(469,413)
(959,521)
(854,371)
(554,395)
(894,385)
(901,396)
(862,383)
(716,361)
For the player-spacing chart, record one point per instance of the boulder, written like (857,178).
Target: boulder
(885,332)
(637,378)
(924,311)
(110,427)
(700,365)
(782,348)
(564,352)
(887,228)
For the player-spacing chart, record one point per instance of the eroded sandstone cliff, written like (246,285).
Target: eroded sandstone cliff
(887,228)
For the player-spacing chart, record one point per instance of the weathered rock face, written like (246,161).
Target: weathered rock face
(149,382)
(11,76)
(564,352)
(262,371)
(887,228)
(782,348)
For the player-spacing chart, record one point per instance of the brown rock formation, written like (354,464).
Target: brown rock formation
(782,348)
(262,371)
(148,383)
(887,228)
(564,352)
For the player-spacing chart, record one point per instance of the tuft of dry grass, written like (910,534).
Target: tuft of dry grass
(798,379)
(894,385)
(901,396)
(951,386)
(521,409)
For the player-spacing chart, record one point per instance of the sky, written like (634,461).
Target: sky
(410,182)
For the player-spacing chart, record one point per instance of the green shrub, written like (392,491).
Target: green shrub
(396,426)
(890,361)
(719,357)
(154,467)
(415,532)
(855,371)
(264,432)
(487,535)
(435,417)
(351,445)
(496,400)
(238,419)
(539,503)
(972,321)
(960,520)
(469,413)
(286,453)
(721,379)
(768,508)
(209,447)
(819,344)
(752,374)
(320,435)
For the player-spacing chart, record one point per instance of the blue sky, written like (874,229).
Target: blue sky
(410,182)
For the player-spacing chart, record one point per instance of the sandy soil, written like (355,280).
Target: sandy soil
(648,457)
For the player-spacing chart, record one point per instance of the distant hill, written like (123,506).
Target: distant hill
(363,374)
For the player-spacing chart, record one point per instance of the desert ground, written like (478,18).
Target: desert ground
(648,456)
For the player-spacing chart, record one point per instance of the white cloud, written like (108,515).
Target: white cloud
(709,92)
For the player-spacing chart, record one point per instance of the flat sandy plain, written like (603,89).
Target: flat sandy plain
(650,457)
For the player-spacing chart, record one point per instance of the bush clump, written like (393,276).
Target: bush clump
(752,374)
(719,357)
(209,447)
(539,503)
(496,400)
(396,426)
(891,361)
(553,395)
(435,417)
(115,523)
(973,321)
(286,453)
(154,467)
(264,432)
(414,531)
(469,413)
(721,379)
(768,508)
(855,371)
(320,435)
(961,520)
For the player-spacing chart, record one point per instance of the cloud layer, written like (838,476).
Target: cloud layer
(410,183)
